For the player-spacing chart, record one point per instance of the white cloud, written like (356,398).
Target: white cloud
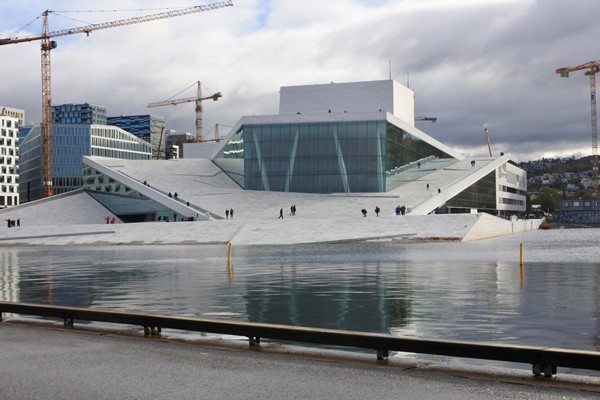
(470,62)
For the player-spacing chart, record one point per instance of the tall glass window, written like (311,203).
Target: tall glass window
(324,157)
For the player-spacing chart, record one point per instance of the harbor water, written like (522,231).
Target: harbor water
(433,290)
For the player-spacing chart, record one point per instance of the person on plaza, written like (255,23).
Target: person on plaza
(377,210)
(107,219)
(364,212)
(280,213)
(231,213)
(227,214)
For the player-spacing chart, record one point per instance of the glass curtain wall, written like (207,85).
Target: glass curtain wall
(327,157)
(481,195)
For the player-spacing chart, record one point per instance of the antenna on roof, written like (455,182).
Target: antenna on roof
(390,69)
(408,80)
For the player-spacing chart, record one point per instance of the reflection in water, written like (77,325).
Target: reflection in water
(462,291)
(332,297)
(9,276)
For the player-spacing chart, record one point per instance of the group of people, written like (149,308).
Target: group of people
(110,220)
(292,211)
(400,210)
(229,213)
(11,223)
(377,211)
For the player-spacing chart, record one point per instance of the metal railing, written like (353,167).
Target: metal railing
(544,360)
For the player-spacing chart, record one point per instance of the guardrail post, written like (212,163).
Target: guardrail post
(547,370)
(254,340)
(152,330)
(382,354)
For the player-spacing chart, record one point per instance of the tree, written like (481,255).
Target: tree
(549,199)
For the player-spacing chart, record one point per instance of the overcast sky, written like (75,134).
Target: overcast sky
(471,63)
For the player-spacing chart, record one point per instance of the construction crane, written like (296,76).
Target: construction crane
(487,140)
(48,45)
(198,99)
(592,68)
(432,119)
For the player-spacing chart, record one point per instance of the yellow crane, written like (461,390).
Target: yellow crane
(48,45)
(592,68)
(198,99)
(487,140)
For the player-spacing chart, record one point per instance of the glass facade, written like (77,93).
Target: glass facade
(325,157)
(69,144)
(150,128)
(79,114)
(481,195)
(126,203)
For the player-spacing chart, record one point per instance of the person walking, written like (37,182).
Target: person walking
(377,210)
(231,213)
(280,213)
(227,214)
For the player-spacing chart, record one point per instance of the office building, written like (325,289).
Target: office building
(150,128)
(10,120)
(87,114)
(70,142)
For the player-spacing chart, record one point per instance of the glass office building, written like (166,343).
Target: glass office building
(150,128)
(70,143)
(326,157)
(79,114)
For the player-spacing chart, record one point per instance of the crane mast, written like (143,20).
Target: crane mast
(487,141)
(47,45)
(592,68)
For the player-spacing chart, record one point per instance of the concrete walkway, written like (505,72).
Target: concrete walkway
(41,362)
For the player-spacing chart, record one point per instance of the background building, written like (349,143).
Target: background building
(70,142)
(9,156)
(177,139)
(88,114)
(150,128)
(15,113)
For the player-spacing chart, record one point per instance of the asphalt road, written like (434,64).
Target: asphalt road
(40,362)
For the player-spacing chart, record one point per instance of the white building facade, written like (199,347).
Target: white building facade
(9,160)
